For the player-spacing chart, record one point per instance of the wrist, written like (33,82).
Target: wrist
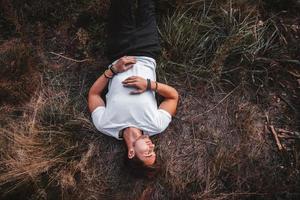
(108,74)
(113,69)
(154,86)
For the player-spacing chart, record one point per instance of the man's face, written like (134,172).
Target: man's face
(144,150)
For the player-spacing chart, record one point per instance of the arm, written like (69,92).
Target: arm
(94,96)
(169,93)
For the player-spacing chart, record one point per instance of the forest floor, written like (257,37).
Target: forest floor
(236,134)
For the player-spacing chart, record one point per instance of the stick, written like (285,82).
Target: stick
(67,58)
(276,137)
(281,134)
(288,137)
(284,131)
(289,133)
(267,118)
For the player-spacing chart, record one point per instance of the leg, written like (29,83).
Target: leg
(121,25)
(132,33)
(145,12)
(121,16)
(146,40)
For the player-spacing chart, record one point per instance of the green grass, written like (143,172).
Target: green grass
(233,63)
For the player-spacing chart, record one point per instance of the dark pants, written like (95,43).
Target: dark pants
(132,29)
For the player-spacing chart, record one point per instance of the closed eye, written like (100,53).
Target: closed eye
(149,155)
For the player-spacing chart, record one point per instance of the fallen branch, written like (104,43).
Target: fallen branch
(284,136)
(276,137)
(288,134)
(267,118)
(71,59)
(284,131)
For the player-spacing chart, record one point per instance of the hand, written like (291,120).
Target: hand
(124,63)
(137,82)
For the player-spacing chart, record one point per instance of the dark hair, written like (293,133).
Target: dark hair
(138,169)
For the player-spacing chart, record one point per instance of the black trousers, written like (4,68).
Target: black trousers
(132,29)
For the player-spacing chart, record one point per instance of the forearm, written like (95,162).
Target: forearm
(94,96)
(164,90)
(100,84)
(169,93)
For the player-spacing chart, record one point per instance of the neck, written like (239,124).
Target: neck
(131,135)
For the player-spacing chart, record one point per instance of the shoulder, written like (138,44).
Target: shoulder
(163,119)
(97,115)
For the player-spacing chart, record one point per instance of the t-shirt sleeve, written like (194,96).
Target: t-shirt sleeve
(163,120)
(97,116)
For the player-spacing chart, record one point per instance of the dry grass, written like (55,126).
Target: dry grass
(18,75)
(233,62)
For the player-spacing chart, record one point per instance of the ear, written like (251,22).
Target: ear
(131,153)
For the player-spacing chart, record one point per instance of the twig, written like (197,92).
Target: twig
(36,107)
(288,134)
(284,131)
(71,59)
(267,118)
(284,136)
(216,104)
(276,137)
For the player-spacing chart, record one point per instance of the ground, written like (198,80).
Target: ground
(235,65)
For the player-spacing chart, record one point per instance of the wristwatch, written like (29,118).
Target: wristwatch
(112,69)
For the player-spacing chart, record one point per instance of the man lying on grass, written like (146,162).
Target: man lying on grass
(131,111)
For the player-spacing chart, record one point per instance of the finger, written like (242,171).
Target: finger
(129,85)
(136,92)
(129,81)
(126,60)
(126,63)
(130,57)
(130,60)
(128,66)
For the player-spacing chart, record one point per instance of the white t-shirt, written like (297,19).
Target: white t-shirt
(131,110)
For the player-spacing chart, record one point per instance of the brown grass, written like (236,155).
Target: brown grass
(19,78)
(216,147)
